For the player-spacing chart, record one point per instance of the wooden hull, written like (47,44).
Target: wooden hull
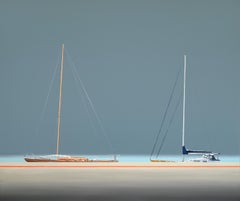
(71,159)
(56,160)
(163,161)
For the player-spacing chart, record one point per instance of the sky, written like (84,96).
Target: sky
(127,54)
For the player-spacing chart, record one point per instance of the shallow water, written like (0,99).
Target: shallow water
(128,158)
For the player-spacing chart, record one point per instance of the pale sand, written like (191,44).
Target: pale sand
(120,181)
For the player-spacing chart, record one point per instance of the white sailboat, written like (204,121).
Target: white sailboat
(207,156)
(57,157)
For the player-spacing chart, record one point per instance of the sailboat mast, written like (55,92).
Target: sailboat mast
(184,94)
(60,101)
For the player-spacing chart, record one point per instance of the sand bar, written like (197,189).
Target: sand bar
(120,181)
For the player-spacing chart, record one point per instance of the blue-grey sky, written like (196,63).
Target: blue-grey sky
(127,54)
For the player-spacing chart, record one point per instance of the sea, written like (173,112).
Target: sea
(129,158)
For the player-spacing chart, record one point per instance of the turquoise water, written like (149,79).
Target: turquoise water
(127,158)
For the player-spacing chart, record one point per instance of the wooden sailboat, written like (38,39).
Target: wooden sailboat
(57,157)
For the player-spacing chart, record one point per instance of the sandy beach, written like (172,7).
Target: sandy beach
(120,181)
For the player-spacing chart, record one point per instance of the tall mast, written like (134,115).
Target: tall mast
(184,91)
(60,101)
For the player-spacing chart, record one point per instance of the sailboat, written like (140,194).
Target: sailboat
(207,156)
(58,157)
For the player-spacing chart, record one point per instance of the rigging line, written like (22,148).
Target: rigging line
(82,97)
(48,94)
(169,125)
(165,113)
(94,111)
(92,107)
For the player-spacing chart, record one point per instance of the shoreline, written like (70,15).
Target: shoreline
(119,165)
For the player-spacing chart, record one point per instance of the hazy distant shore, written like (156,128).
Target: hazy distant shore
(120,181)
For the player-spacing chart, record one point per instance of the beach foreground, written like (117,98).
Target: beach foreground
(120,181)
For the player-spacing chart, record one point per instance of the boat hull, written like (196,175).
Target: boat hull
(163,161)
(56,160)
(66,159)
